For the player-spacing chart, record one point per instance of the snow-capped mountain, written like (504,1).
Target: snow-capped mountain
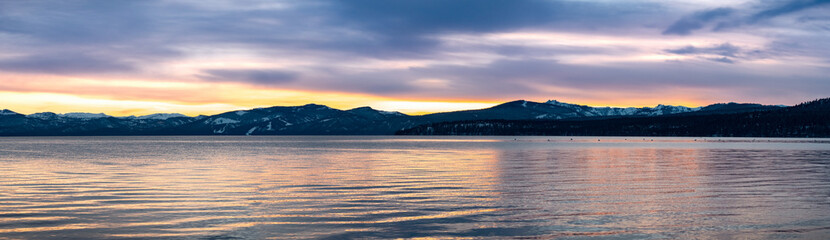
(162,116)
(374,113)
(85,115)
(48,123)
(586,111)
(6,112)
(43,115)
(321,120)
(810,119)
(306,119)
(553,110)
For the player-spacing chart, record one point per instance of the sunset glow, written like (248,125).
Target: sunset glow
(211,57)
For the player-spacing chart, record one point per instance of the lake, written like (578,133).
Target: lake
(336,187)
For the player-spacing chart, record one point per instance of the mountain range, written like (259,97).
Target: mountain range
(313,119)
(810,119)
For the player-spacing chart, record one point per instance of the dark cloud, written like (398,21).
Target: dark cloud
(89,37)
(78,22)
(728,18)
(64,63)
(696,21)
(515,78)
(509,78)
(776,10)
(329,38)
(331,28)
(786,8)
(726,50)
(722,60)
(407,17)
(409,27)
(806,19)
(251,76)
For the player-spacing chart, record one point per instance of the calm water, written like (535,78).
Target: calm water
(409,187)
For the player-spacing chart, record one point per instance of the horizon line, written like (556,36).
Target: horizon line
(421,113)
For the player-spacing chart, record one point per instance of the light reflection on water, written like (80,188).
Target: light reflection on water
(407,187)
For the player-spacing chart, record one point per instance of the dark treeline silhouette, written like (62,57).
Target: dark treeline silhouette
(809,119)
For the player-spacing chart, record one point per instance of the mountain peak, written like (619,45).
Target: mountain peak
(161,116)
(367,109)
(516,103)
(314,105)
(320,119)
(561,104)
(7,112)
(364,108)
(43,115)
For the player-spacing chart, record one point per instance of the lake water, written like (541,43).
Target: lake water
(410,187)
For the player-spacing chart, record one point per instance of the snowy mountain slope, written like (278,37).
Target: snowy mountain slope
(85,115)
(306,119)
(161,116)
(319,120)
(587,111)
(6,112)
(553,109)
(48,123)
(810,119)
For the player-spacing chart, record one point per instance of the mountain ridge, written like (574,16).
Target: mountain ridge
(810,119)
(315,119)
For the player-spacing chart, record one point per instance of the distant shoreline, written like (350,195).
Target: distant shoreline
(517,118)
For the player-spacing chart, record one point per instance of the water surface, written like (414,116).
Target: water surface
(409,187)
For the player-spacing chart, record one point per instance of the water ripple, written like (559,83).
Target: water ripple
(381,187)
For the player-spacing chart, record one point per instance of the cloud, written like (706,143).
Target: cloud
(786,8)
(78,22)
(508,79)
(696,21)
(723,60)
(731,17)
(385,47)
(726,51)
(430,16)
(771,12)
(251,76)
(379,29)
(410,28)
(64,63)
(82,37)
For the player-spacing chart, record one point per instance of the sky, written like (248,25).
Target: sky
(414,56)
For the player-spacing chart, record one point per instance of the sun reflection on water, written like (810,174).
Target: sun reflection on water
(375,187)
